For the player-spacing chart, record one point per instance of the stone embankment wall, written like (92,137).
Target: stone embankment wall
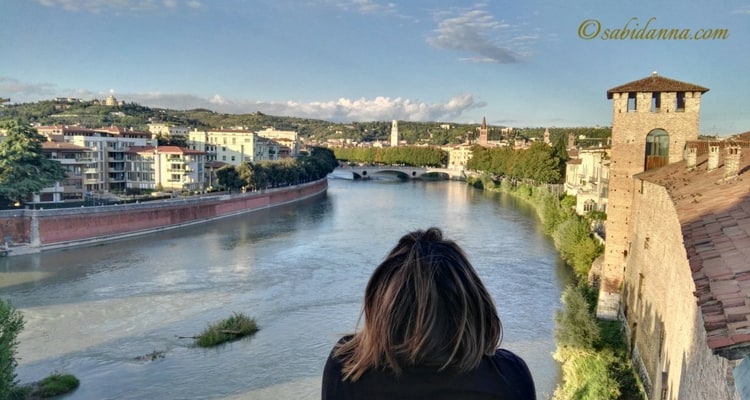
(48,229)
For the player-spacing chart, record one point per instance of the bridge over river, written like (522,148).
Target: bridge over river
(405,172)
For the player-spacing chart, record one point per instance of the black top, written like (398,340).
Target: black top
(503,376)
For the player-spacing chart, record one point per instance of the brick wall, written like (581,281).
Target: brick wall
(664,323)
(58,227)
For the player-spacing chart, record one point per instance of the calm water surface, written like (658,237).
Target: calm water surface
(99,312)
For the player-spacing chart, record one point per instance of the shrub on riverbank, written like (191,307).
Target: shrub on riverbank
(11,324)
(593,353)
(235,327)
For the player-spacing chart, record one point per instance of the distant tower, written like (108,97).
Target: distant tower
(546,136)
(394,133)
(653,119)
(571,141)
(483,133)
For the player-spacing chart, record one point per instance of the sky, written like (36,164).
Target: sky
(537,63)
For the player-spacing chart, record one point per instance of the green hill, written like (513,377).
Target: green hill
(94,115)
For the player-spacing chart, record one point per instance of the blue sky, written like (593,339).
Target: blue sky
(517,63)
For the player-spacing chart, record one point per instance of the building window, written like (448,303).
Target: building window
(680,101)
(589,205)
(657,149)
(232,158)
(655,101)
(632,103)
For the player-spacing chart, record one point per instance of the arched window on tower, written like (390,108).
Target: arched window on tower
(657,149)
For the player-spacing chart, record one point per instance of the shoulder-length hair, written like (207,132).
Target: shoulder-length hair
(424,306)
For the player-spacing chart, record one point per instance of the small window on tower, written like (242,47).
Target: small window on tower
(632,102)
(655,101)
(680,101)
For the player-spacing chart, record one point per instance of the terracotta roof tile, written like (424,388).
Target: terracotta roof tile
(656,83)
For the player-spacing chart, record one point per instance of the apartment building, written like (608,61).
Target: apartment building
(288,139)
(587,178)
(458,156)
(164,129)
(106,168)
(74,160)
(168,168)
(233,146)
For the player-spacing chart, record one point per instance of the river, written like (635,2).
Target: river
(111,314)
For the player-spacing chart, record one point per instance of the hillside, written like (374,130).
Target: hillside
(92,114)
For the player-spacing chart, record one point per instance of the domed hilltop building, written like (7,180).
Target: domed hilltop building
(676,266)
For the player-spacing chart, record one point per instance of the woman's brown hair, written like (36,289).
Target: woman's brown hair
(424,306)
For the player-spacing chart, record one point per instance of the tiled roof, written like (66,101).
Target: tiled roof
(656,83)
(179,150)
(140,149)
(63,146)
(714,214)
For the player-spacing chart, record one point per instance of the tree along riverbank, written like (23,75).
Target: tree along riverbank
(593,354)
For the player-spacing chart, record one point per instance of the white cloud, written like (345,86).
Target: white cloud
(478,33)
(25,92)
(363,6)
(742,10)
(380,108)
(346,110)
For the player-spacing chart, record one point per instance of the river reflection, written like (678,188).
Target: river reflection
(300,270)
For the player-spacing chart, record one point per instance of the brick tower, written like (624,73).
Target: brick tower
(652,120)
(483,137)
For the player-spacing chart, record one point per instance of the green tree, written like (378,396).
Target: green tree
(245,174)
(11,324)
(23,168)
(229,178)
(575,324)
(170,140)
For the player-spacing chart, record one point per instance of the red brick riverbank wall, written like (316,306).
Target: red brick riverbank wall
(15,227)
(60,227)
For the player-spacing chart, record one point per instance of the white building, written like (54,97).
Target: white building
(458,156)
(169,168)
(394,133)
(164,129)
(289,139)
(73,160)
(587,178)
(105,170)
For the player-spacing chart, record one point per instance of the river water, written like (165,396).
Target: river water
(112,314)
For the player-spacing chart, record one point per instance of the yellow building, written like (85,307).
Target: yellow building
(233,146)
